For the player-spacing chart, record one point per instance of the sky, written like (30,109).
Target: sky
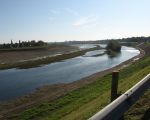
(61,20)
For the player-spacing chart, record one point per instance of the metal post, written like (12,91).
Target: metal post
(114,85)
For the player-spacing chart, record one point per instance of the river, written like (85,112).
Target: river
(18,82)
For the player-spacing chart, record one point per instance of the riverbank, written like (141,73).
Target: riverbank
(9,56)
(59,90)
(30,63)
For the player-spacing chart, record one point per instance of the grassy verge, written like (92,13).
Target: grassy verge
(82,103)
(47,60)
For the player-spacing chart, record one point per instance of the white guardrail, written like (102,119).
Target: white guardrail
(116,109)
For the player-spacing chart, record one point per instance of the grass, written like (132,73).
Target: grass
(82,103)
(47,60)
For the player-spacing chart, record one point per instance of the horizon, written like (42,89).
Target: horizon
(58,21)
(17,41)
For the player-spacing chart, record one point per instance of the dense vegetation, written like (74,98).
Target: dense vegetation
(23,44)
(113,46)
(82,103)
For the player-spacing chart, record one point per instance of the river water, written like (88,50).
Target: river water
(18,82)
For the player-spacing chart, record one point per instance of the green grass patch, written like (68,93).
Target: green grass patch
(82,103)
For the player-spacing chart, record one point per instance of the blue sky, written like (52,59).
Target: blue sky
(60,20)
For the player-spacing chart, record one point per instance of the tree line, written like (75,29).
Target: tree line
(130,39)
(22,44)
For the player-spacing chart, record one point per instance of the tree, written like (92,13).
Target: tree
(113,46)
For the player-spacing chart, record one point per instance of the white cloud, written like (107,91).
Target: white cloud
(71,11)
(58,12)
(86,21)
(64,11)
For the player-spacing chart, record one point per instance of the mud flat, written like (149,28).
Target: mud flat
(14,56)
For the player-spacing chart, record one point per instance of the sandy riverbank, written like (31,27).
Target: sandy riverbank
(22,55)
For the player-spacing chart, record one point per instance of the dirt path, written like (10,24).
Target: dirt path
(51,92)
